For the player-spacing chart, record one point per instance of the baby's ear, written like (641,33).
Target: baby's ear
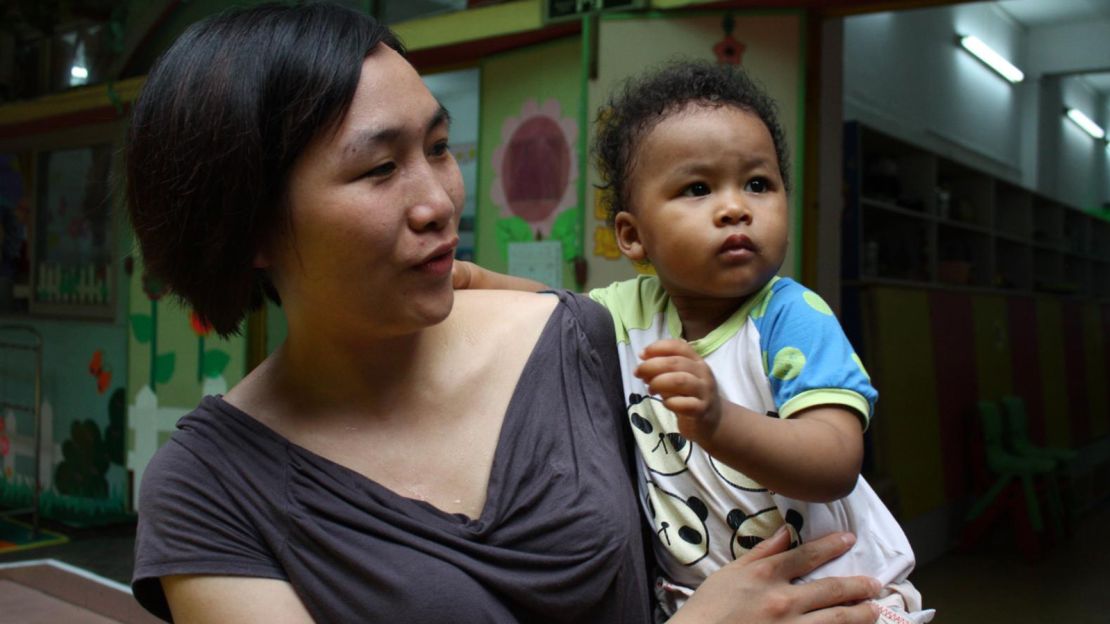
(628,237)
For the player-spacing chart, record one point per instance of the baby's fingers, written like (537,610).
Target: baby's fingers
(686,405)
(656,366)
(676,384)
(671,346)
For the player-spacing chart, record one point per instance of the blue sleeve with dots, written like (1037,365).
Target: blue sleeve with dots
(807,357)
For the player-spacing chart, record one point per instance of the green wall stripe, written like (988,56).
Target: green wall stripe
(584,131)
(796,207)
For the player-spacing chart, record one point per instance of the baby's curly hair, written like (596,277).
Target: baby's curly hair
(643,101)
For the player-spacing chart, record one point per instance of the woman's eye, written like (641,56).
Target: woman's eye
(441,148)
(381,170)
(697,189)
(757,185)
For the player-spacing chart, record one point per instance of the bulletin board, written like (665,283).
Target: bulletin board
(73,226)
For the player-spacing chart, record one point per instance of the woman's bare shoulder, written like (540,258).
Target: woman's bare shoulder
(504,308)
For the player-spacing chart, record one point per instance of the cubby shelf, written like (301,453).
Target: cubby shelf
(915,217)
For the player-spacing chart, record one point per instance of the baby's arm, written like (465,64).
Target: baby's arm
(815,455)
(467,275)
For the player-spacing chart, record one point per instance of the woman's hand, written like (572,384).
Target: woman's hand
(756,588)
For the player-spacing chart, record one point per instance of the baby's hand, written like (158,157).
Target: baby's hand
(461,274)
(674,371)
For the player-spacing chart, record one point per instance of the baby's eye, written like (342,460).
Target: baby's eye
(757,185)
(697,189)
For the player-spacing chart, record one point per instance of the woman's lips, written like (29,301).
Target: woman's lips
(440,260)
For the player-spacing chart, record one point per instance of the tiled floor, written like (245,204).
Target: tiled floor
(994,584)
(991,584)
(53,592)
(106,552)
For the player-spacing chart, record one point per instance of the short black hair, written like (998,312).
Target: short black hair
(223,115)
(643,101)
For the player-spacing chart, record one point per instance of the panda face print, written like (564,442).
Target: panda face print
(735,478)
(749,530)
(679,524)
(655,429)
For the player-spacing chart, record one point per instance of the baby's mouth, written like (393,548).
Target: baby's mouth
(737,244)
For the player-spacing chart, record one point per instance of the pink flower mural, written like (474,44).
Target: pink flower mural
(536,166)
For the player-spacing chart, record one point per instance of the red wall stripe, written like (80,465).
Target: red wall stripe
(952,327)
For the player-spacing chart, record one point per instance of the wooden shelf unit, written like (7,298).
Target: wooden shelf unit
(913,216)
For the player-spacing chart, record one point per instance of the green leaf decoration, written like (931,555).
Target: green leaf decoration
(163,367)
(512,230)
(143,327)
(565,230)
(215,361)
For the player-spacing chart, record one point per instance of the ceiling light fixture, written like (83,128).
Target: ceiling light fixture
(990,58)
(1085,122)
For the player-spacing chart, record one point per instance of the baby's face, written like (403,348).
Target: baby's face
(708,204)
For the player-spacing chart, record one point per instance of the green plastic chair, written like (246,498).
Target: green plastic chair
(1018,435)
(1018,440)
(1012,470)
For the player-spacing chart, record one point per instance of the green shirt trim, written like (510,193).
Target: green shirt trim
(756,304)
(828,396)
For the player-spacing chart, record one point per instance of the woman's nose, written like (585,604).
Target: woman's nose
(433,204)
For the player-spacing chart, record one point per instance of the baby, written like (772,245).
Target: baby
(746,400)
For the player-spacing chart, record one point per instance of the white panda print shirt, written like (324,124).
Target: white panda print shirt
(781,352)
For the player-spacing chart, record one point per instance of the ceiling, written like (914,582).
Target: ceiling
(1033,13)
(1052,13)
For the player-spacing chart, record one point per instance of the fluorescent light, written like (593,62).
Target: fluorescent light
(1085,122)
(991,58)
(79,72)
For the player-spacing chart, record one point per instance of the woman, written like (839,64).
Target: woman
(408,454)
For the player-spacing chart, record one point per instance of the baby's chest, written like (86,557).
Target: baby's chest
(738,366)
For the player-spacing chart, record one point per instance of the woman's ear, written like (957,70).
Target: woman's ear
(261,260)
(628,236)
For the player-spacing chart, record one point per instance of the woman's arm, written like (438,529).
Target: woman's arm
(756,588)
(202,599)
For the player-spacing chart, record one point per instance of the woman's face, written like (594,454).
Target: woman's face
(374,208)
